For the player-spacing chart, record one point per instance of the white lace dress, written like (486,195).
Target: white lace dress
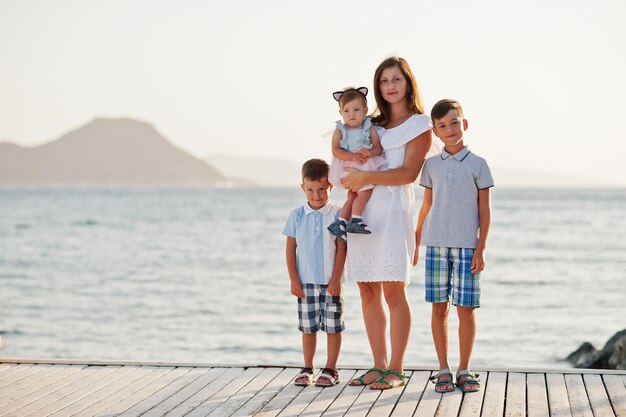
(387,253)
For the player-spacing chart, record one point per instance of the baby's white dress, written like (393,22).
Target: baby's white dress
(387,253)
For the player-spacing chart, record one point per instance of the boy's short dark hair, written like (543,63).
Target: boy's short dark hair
(315,169)
(443,107)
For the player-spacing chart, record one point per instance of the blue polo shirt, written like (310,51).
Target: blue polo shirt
(316,246)
(455,180)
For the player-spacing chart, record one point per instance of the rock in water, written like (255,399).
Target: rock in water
(612,356)
(616,351)
(584,357)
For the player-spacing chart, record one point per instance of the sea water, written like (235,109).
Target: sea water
(198,275)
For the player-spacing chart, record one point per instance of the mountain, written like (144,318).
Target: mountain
(105,151)
(271,172)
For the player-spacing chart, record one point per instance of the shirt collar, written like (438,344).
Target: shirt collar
(324,209)
(459,156)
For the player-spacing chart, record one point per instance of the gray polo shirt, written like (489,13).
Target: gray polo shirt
(455,180)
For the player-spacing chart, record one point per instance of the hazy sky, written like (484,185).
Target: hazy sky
(542,82)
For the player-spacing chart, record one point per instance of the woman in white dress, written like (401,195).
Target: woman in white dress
(381,262)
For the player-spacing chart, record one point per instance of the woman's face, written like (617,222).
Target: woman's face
(392,85)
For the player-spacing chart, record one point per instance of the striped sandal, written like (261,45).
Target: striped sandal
(327,378)
(304,373)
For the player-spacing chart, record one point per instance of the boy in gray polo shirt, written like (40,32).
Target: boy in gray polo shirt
(453,224)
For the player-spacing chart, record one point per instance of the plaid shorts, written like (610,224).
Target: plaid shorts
(319,310)
(448,272)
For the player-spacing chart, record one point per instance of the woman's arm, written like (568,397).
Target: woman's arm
(416,150)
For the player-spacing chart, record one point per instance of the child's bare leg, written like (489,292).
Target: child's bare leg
(360,201)
(309,343)
(347,208)
(439,327)
(333,346)
(467,334)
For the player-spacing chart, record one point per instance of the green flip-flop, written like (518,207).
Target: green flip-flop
(362,381)
(401,381)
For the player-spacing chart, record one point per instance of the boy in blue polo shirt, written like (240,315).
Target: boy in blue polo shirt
(453,224)
(315,261)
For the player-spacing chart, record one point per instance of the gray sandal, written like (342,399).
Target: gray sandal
(469,379)
(442,386)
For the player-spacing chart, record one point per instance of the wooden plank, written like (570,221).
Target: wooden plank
(69,396)
(216,384)
(363,403)
(301,401)
(429,402)
(537,404)
(5,366)
(16,373)
(473,402)
(242,396)
(450,403)
(346,397)
(29,387)
(578,401)
(95,362)
(206,376)
(515,404)
(412,394)
(135,372)
(39,396)
(557,395)
(225,393)
(267,394)
(493,404)
(616,390)
(598,398)
(56,392)
(282,399)
(11,369)
(128,387)
(142,394)
(23,382)
(184,378)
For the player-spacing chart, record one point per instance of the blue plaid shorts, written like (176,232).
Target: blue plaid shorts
(319,310)
(448,273)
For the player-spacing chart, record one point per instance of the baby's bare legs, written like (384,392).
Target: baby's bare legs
(360,201)
(347,208)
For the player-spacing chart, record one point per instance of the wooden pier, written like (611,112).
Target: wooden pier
(74,388)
